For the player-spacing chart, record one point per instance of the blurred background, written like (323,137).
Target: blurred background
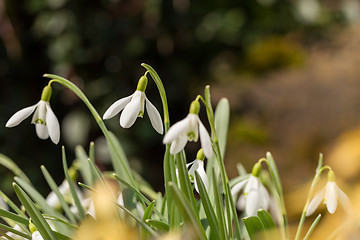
(290,69)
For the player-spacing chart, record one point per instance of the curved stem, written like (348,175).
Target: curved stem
(66,83)
(303,214)
(162,92)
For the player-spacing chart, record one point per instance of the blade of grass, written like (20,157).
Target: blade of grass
(14,217)
(147,215)
(36,217)
(187,212)
(184,180)
(82,158)
(9,229)
(56,190)
(219,207)
(209,209)
(139,195)
(158,224)
(74,195)
(312,227)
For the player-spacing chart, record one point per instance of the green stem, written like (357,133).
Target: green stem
(303,214)
(162,92)
(66,83)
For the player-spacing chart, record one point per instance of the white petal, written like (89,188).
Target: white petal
(264,197)
(116,107)
(36,236)
(203,177)
(52,124)
(41,131)
(252,203)
(120,200)
(331,197)
(154,116)
(40,113)
(178,145)
(237,188)
(131,111)
(193,168)
(314,203)
(20,115)
(344,200)
(3,204)
(176,130)
(205,140)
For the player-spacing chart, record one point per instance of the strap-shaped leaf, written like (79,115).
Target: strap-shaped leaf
(209,209)
(82,159)
(9,229)
(14,217)
(74,195)
(56,190)
(187,212)
(254,227)
(35,215)
(158,224)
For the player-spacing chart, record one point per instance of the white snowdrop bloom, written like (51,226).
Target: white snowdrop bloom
(198,165)
(329,195)
(189,129)
(255,196)
(36,236)
(133,107)
(46,123)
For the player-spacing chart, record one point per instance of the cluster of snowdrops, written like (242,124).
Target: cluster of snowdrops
(199,202)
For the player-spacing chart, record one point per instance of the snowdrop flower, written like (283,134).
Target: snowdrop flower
(46,123)
(255,195)
(133,107)
(198,165)
(188,130)
(330,195)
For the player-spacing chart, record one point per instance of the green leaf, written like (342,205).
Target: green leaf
(14,217)
(37,197)
(12,205)
(254,226)
(184,179)
(222,118)
(11,165)
(312,227)
(208,208)
(74,195)
(266,219)
(35,215)
(158,224)
(84,168)
(56,190)
(9,229)
(147,215)
(187,212)
(219,207)
(138,194)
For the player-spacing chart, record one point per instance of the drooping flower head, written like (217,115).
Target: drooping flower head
(46,123)
(189,129)
(198,166)
(255,195)
(133,106)
(329,195)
